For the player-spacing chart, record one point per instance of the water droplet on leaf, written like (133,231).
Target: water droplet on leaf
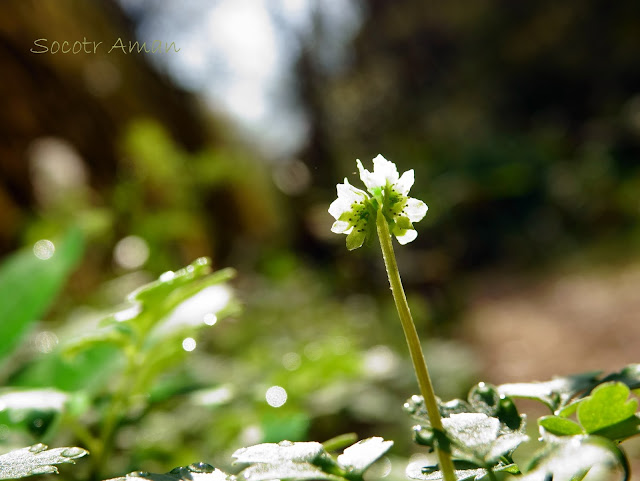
(38,448)
(167,276)
(201,468)
(72,452)
(138,474)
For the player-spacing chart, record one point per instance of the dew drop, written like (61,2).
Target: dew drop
(167,276)
(285,444)
(38,448)
(138,474)
(201,261)
(201,468)
(72,452)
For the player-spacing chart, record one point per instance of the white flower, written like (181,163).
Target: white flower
(391,190)
(355,211)
(352,211)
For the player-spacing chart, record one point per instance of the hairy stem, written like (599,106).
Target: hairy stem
(415,349)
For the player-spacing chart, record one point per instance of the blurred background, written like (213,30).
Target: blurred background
(520,119)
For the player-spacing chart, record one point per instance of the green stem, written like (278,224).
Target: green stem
(415,349)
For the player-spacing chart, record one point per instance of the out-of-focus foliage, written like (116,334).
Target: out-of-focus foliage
(31,282)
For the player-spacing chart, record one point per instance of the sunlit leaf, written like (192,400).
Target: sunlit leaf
(285,470)
(573,457)
(193,472)
(358,457)
(555,393)
(607,405)
(280,452)
(36,459)
(560,426)
(464,471)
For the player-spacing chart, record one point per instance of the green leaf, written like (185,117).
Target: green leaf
(33,283)
(36,459)
(193,472)
(606,406)
(560,426)
(555,393)
(433,473)
(464,471)
(358,457)
(156,300)
(622,430)
(280,452)
(286,470)
(479,438)
(572,458)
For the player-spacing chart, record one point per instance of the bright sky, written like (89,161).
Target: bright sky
(239,55)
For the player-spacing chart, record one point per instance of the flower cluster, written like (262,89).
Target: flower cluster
(355,210)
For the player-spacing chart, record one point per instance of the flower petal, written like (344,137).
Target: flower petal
(385,169)
(350,193)
(338,207)
(407,236)
(415,209)
(371,180)
(405,182)
(340,227)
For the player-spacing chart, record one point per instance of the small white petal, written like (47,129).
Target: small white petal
(371,180)
(384,169)
(349,192)
(415,209)
(406,181)
(340,227)
(407,236)
(339,207)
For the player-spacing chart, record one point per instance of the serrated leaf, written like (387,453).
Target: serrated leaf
(607,405)
(286,470)
(280,452)
(33,283)
(560,426)
(574,457)
(555,393)
(36,459)
(480,438)
(193,472)
(157,300)
(433,473)
(358,457)
(463,471)
(158,290)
